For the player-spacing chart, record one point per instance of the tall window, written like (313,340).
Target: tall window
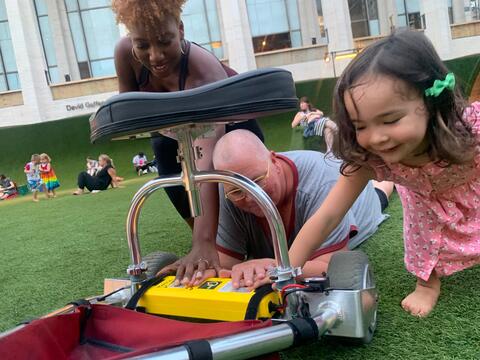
(408,14)
(94,33)
(321,23)
(47,41)
(200,19)
(474,10)
(364,17)
(274,24)
(8,67)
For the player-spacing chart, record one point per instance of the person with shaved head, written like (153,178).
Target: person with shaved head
(297,182)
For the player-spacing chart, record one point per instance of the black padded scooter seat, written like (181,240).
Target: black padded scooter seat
(249,95)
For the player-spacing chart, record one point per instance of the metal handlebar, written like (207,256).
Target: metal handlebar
(190,179)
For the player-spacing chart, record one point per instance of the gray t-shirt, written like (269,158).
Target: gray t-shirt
(240,235)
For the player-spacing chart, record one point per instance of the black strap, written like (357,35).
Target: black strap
(254,303)
(80,302)
(305,330)
(144,74)
(199,350)
(132,303)
(83,320)
(182,76)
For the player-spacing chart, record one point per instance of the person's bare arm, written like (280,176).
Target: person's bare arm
(204,68)
(124,66)
(328,216)
(299,116)
(113,174)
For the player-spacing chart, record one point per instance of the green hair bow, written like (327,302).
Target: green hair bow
(440,85)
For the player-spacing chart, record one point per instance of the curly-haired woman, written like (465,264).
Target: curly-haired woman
(156,57)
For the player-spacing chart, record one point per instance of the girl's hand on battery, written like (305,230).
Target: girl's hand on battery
(252,273)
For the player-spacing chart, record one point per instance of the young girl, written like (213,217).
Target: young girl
(401,118)
(33,176)
(48,176)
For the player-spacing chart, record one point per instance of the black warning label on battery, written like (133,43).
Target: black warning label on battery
(209,285)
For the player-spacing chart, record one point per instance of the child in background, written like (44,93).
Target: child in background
(401,118)
(32,171)
(92,166)
(47,175)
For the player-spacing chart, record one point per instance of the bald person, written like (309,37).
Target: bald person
(297,182)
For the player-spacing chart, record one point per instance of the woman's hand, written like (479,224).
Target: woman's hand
(200,263)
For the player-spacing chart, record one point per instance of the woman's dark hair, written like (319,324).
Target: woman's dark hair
(2,177)
(407,55)
(305,100)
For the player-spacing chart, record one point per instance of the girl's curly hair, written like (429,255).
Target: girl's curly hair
(149,13)
(407,55)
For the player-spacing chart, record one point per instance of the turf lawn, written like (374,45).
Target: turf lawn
(61,249)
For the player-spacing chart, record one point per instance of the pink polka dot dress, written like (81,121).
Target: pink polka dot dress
(441,211)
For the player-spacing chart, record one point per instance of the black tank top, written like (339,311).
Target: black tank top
(103,177)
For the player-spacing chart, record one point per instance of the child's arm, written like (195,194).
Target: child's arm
(328,216)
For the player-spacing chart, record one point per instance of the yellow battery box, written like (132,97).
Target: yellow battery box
(214,299)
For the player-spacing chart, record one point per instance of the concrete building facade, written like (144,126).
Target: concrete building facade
(57,55)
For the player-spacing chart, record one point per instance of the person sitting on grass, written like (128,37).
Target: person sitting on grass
(297,182)
(314,122)
(7,187)
(140,163)
(105,177)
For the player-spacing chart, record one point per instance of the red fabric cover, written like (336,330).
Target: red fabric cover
(58,337)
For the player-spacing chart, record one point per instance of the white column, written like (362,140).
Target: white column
(307,13)
(336,17)
(458,11)
(387,15)
(30,61)
(238,38)
(437,26)
(64,49)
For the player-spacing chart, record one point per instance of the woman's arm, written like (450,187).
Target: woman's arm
(127,80)
(11,186)
(328,216)
(113,174)
(299,116)
(314,115)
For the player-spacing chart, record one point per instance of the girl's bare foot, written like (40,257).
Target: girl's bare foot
(78,192)
(422,301)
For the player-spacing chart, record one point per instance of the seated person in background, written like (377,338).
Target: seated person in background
(297,182)
(140,163)
(7,187)
(314,122)
(106,176)
(92,166)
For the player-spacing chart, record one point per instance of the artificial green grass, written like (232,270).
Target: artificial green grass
(61,249)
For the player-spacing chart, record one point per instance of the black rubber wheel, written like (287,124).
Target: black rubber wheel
(158,260)
(351,270)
